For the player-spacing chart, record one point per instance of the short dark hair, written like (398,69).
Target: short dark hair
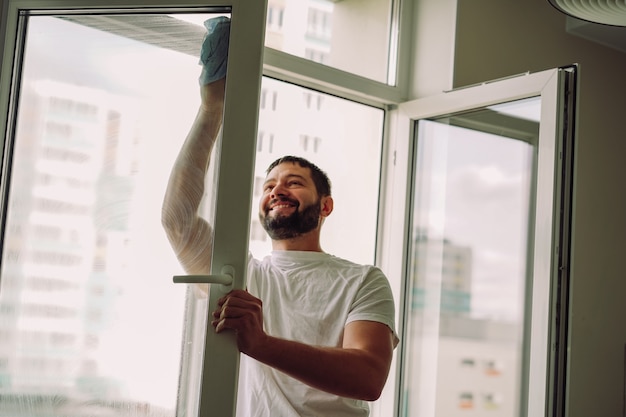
(320,179)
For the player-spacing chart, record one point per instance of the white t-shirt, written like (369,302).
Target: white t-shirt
(308,297)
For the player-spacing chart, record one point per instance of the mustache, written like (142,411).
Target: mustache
(281,200)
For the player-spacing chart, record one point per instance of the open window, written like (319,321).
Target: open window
(486,285)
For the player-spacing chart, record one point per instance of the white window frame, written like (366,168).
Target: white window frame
(218,392)
(394,186)
(546,306)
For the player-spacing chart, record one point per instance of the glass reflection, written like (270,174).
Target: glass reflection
(468,262)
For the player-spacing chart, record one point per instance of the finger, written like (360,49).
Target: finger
(225,324)
(239,302)
(243,294)
(231,312)
(233,294)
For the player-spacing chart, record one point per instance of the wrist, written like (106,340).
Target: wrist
(262,348)
(212,94)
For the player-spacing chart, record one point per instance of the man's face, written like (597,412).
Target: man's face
(290,205)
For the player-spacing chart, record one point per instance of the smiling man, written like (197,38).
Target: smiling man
(286,210)
(316,331)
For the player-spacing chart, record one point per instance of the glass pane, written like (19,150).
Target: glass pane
(344,139)
(468,262)
(324,31)
(90,321)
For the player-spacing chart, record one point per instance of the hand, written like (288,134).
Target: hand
(242,312)
(214,52)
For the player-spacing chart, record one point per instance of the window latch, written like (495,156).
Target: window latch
(225,278)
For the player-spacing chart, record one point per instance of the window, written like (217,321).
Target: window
(275,15)
(95,167)
(94,141)
(323,31)
(336,136)
(480,259)
(466,400)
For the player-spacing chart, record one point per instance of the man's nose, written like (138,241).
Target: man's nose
(278,190)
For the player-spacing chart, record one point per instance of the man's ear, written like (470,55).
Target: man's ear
(327,205)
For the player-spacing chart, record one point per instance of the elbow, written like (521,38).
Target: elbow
(168,224)
(173,225)
(366,389)
(371,392)
(166,221)
(372,384)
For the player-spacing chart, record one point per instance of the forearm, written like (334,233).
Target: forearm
(352,373)
(186,183)
(189,235)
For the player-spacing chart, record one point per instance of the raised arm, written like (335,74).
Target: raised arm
(190,235)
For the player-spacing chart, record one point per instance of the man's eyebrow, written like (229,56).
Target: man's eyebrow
(288,176)
(291,176)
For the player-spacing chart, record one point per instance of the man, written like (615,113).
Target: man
(316,331)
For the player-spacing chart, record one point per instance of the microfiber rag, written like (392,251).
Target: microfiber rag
(214,52)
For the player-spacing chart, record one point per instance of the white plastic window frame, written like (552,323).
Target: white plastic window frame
(544,370)
(285,67)
(218,392)
(306,73)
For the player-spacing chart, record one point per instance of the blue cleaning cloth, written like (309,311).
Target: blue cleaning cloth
(214,52)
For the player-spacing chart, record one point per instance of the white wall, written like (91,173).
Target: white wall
(498,38)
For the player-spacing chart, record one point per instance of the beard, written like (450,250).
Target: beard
(293,225)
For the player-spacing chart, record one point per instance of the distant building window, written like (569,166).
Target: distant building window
(319,24)
(265,142)
(466,400)
(310,144)
(58,130)
(58,339)
(315,55)
(259,142)
(468,363)
(317,142)
(493,368)
(492,401)
(304,142)
(264,99)
(312,100)
(275,16)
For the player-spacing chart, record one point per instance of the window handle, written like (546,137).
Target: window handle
(226,277)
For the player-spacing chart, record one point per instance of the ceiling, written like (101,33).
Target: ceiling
(166,31)
(611,36)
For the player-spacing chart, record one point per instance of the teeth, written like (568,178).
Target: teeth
(281,206)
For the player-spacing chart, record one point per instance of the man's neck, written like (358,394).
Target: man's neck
(308,242)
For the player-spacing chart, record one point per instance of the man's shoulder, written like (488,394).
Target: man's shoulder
(346,263)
